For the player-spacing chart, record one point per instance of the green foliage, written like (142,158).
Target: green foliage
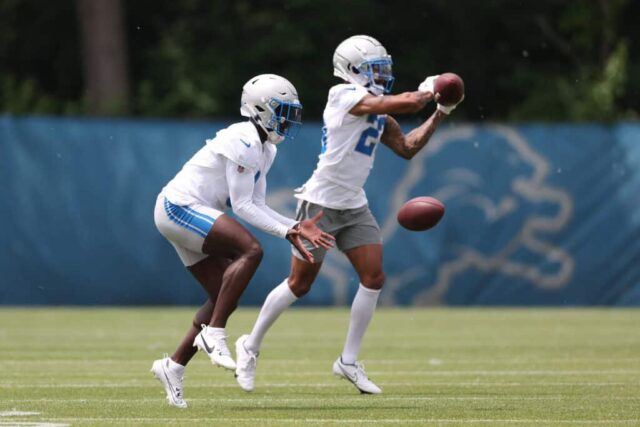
(40,65)
(586,95)
(546,60)
(593,85)
(596,97)
(24,96)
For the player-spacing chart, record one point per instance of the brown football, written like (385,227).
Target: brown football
(420,213)
(448,89)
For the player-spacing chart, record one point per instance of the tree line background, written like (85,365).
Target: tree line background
(548,60)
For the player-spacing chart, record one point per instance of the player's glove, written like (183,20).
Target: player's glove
(427,84)
(448,109)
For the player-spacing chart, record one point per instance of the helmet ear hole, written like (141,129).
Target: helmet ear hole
(259,108)
(353,69)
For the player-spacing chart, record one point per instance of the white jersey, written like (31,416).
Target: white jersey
(348,150)
(231,171)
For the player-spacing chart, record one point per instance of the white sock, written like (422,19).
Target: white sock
(277,301)
(362,308)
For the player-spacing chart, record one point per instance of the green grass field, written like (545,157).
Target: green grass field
(489,367)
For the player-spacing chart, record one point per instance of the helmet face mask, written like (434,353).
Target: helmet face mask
(362,60)
(286,118)
(272,103)
(379,74)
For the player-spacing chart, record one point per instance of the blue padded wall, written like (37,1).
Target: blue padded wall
(535,215)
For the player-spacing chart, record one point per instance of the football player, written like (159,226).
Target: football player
(356,120)
(230,171)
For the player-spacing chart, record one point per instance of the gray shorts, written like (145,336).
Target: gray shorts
(350,227)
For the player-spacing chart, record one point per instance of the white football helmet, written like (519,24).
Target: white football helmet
(272,102)
(362,60)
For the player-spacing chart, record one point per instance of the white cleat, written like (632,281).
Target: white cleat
(247,361)
(172,383)
(355,375)
(217,350)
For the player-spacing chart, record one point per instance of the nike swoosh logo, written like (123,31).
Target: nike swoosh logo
(246,144)
(206,346)
(171,387)
(353,377)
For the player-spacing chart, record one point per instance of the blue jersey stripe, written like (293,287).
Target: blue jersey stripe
(181,218)
(199,215)
(189,219)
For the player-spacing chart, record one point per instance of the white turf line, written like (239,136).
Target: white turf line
(457,373)
(355,398)
(277,421)
(12,422)
(15,413)
(304,361)
(145,384)
(31,424)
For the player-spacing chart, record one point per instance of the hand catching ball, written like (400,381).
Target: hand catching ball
(448,89)
(420,213)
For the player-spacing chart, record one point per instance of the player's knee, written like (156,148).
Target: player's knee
(254,252)
(298,286)
(373,280)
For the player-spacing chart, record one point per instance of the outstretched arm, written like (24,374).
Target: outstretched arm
(306,229)
(407,102)
(407,146)
(241,187)
(259,197)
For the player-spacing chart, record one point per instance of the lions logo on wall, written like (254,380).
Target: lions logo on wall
(502,215)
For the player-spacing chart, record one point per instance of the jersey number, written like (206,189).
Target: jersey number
(323,141)
(369,136)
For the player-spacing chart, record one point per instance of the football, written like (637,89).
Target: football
(420,213)
(448,89)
